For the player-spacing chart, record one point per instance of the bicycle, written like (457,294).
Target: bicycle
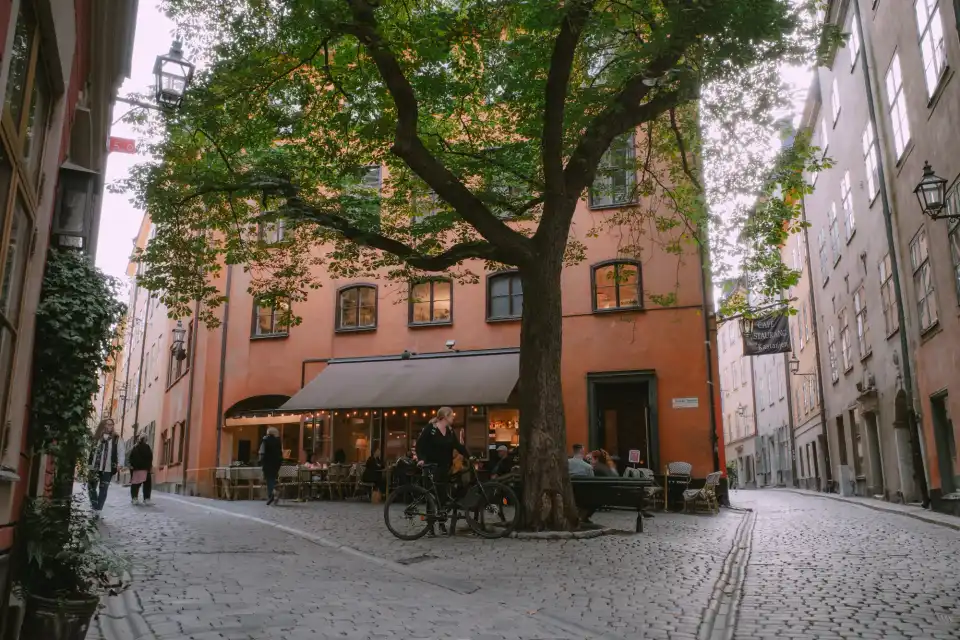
(490,508)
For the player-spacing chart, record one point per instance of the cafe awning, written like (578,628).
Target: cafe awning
(430,380)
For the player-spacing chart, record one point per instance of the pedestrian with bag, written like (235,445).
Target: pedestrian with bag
(141,465)
(106,459)
(271,458)
(435,446)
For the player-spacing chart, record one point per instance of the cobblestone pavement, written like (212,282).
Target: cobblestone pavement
(824,569)
(214,570)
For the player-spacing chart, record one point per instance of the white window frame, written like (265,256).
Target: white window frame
(834,233)
(832,353)
(854,44)
(846,203)
(863,324)
(891,321)
(924,288)
(897,107)
(869,140)
(846,346)
(835,101)
(953,235)
(932,49)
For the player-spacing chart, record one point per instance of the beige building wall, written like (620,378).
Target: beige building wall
(738,404)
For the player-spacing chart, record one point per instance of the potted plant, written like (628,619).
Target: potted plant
(64,570)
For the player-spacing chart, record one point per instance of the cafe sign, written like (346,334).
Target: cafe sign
(771,334)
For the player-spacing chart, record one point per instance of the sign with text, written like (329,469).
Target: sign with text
(634,456)
(122,145)
(771,334)
(686,403)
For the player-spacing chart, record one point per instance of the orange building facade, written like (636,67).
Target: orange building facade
(370,362)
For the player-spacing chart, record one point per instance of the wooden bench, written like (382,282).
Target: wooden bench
(596,493)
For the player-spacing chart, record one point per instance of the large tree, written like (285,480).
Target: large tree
(491,118)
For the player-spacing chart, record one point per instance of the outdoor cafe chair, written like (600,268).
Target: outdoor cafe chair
(679,475)
(705,497)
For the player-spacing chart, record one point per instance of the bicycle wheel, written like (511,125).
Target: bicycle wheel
(408,512)
(494,510)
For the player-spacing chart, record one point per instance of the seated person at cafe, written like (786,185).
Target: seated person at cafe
(504,462)
(373,472)
(576,465)
(602,465)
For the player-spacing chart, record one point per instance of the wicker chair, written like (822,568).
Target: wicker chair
(705,497)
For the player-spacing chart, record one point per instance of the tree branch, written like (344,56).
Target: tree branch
(326,67)
(454,255)
(410,148)
(683,151)
(558,77)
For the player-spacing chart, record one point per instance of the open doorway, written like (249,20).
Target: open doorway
(946,443)
(623,416)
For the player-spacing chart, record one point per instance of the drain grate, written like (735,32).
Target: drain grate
(417,559)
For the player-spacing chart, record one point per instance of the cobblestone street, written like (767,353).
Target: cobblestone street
(797,567)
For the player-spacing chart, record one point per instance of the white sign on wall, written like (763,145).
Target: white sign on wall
(686,403)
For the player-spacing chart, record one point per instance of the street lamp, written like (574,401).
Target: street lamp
(931,193)
(795,367)
(178,335)
(746,325)
(173,74)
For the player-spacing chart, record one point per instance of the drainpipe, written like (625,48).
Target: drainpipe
(828,476)
(223,362)
(919,472)
(707,313)
(126,373)
(186,423)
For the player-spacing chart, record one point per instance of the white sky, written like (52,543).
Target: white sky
(119,220)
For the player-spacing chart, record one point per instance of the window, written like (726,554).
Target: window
(846,202)
(923,281)
(616,285)
(834,233)
(166,448)
(179,363)
(736,376)
(835,102)
(431,302)
(891,320)
(832,353)
(616,175)
(845,342)
(824,136)
(897,107)
(781,382)
(870,160)
(863,327)
(271,232)
(504,296)
(357,308)
(953,235)
(801,328)
(426,204)
(270,321)
(930,28)
(824,257)
(361,206)
(854,43)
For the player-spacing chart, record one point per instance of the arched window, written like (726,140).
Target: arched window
(357,308)
(504,296)
(617,285)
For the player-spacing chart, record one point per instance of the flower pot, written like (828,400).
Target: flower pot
(66,619)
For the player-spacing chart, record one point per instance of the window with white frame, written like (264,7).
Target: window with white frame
(824,259)
(953,238)
(891,321)
(846,202)
(832,353)
(854,44)
(802,248)
(807,323)
(863,326)
(834,233)
(616,175)
(801,321)
(923,280)
(845,342)
(897,106)
(835,101)
(870,160)
(930,28)
(824,136)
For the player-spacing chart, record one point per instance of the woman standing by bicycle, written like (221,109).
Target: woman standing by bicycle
(435,446)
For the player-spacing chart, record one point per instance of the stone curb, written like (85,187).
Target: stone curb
(877,507)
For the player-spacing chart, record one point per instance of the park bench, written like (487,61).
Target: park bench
(591,494)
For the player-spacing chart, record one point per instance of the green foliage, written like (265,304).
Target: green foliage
(490,117)
(76,321)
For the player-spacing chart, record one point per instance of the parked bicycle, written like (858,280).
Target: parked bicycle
(491,508)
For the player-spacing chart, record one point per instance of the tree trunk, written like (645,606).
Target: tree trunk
(547,495)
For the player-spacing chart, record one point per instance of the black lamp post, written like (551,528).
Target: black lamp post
(173,74)
(931,193)
(178,337)
(795,367)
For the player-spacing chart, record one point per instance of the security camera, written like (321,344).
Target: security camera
(451,344)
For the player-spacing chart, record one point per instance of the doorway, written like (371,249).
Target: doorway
(946,443)
(875,470)
(623,416)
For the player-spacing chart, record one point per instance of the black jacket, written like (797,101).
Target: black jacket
(373,470)
(141,457)
(503,466)
(601,470)
(436,448)
(272,457)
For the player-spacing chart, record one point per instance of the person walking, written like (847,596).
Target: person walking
(106,459)
(271,457)
(141,465)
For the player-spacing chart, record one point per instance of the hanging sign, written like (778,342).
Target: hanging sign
(771,334)
(122,145)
